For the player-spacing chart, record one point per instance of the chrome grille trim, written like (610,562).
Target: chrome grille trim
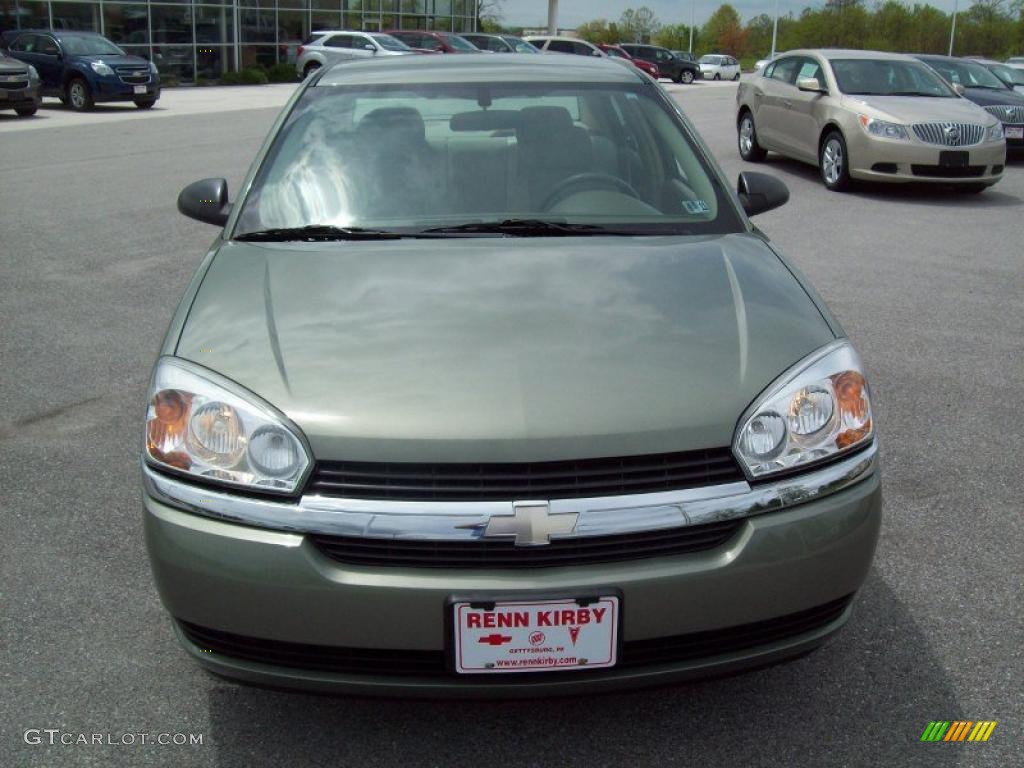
(1007,113)
(464,521)
(949,134)
(133,75)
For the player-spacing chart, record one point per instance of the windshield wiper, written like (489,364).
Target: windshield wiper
(318,233)
(523,228)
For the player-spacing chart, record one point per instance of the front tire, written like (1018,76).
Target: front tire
(310,69)
(746,137)
(686,77)
(737,77)
(145,103)
(79,96)
(26,111)
(834,162)
(718,75)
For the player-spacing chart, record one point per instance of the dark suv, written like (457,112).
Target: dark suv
(668,64)
(82,68)
(19,86)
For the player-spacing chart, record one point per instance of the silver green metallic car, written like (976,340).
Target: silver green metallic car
(488,387)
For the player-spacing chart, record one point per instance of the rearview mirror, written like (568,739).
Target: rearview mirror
(759,192)
(206,200)
(810,84)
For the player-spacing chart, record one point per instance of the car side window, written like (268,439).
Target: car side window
(24,44)
(339,41)
(810,68)
(662,55)
(560,46)
(582,49)
(784,70)
(47,45)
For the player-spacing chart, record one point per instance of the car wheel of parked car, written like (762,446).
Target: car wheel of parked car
(685,77)
(79,95)
(737,77)
(834,162)
(718,75)
(310,68)
(145,103)
(747,138)
(26,111)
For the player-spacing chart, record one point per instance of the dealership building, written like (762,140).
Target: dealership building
(190,39)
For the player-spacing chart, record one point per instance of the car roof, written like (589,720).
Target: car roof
(321,32)
(498,67)
(847,53)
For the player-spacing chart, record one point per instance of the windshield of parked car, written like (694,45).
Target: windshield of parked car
(1008,74)
(460,43)
(520,46)
(389,43)
(888,77)
(89,45)
(407,158)
(965,73)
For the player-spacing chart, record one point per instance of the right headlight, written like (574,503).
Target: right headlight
(201,425)
(819,409)
(994,132)
(881,129)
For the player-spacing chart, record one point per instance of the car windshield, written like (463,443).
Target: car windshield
(520,46)
(460,43)
(389,43)
(614,52)
(1008,74)
(408,158)
(888,77)
(89,45)
(965,73)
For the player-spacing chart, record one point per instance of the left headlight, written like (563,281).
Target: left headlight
(819,409)
(101,68)
(32,73)
(153,69)
(881,129)
(208,427)
(994,132)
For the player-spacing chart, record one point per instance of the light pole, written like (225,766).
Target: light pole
(693,4)
(952,31)
(552,17)
(775,29)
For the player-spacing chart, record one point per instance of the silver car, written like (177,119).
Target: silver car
(332,46)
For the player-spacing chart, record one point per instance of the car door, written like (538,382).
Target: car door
(358,47)
(800,119)
(664,61)
(49,63)
(338,48)
(772,96)
(734,68)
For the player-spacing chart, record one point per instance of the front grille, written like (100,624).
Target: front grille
(949,134)
(538,480)
(408,663)
(133,75)
(14,85)
(948,172)
(583,550)
(1007,113)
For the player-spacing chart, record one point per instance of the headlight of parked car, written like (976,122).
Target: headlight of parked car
(100,68)
(153,69)
(881,129)
(202,425)
(819,409)
(32,73)
(994,132)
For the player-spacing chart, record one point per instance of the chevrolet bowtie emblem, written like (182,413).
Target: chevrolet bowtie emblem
(530,524)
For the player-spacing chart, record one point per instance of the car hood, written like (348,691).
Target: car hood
(116,61)
(988,97)
(915,109)
(9,66)
(506,349)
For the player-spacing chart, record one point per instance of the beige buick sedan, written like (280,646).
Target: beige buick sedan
(868,115)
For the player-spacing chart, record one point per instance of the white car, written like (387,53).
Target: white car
(716,66)
(331,46)
(1017,62)
(573,45)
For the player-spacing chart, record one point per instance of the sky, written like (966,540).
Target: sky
(534,13)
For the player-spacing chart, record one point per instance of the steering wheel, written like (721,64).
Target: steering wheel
(563,189)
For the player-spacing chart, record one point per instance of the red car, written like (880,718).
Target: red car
(433,42)
(618,53)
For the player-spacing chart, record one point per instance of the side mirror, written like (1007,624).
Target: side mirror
(206,200)
(959,89)
(759,192)
(810,84)
(370,47)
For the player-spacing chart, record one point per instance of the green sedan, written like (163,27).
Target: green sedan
(489,387)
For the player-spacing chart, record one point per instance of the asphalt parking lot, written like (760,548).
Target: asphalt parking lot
(93,259)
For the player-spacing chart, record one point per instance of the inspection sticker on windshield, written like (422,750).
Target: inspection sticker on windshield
(696,206)
(545,635)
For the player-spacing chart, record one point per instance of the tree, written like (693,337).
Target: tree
(638,24)
(490,14)
(599,31)
(724,32)
(675,37)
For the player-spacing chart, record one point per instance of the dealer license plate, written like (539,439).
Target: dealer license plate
(1014,132)
(535,636)
(140,89)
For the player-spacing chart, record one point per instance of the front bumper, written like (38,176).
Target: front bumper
(264,586)
(112,88)
(887,160)
(20,97)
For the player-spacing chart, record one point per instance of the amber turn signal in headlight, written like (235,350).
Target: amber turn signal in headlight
(208,427)
(818,409)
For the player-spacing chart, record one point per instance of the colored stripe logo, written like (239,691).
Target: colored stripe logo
(958,730)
